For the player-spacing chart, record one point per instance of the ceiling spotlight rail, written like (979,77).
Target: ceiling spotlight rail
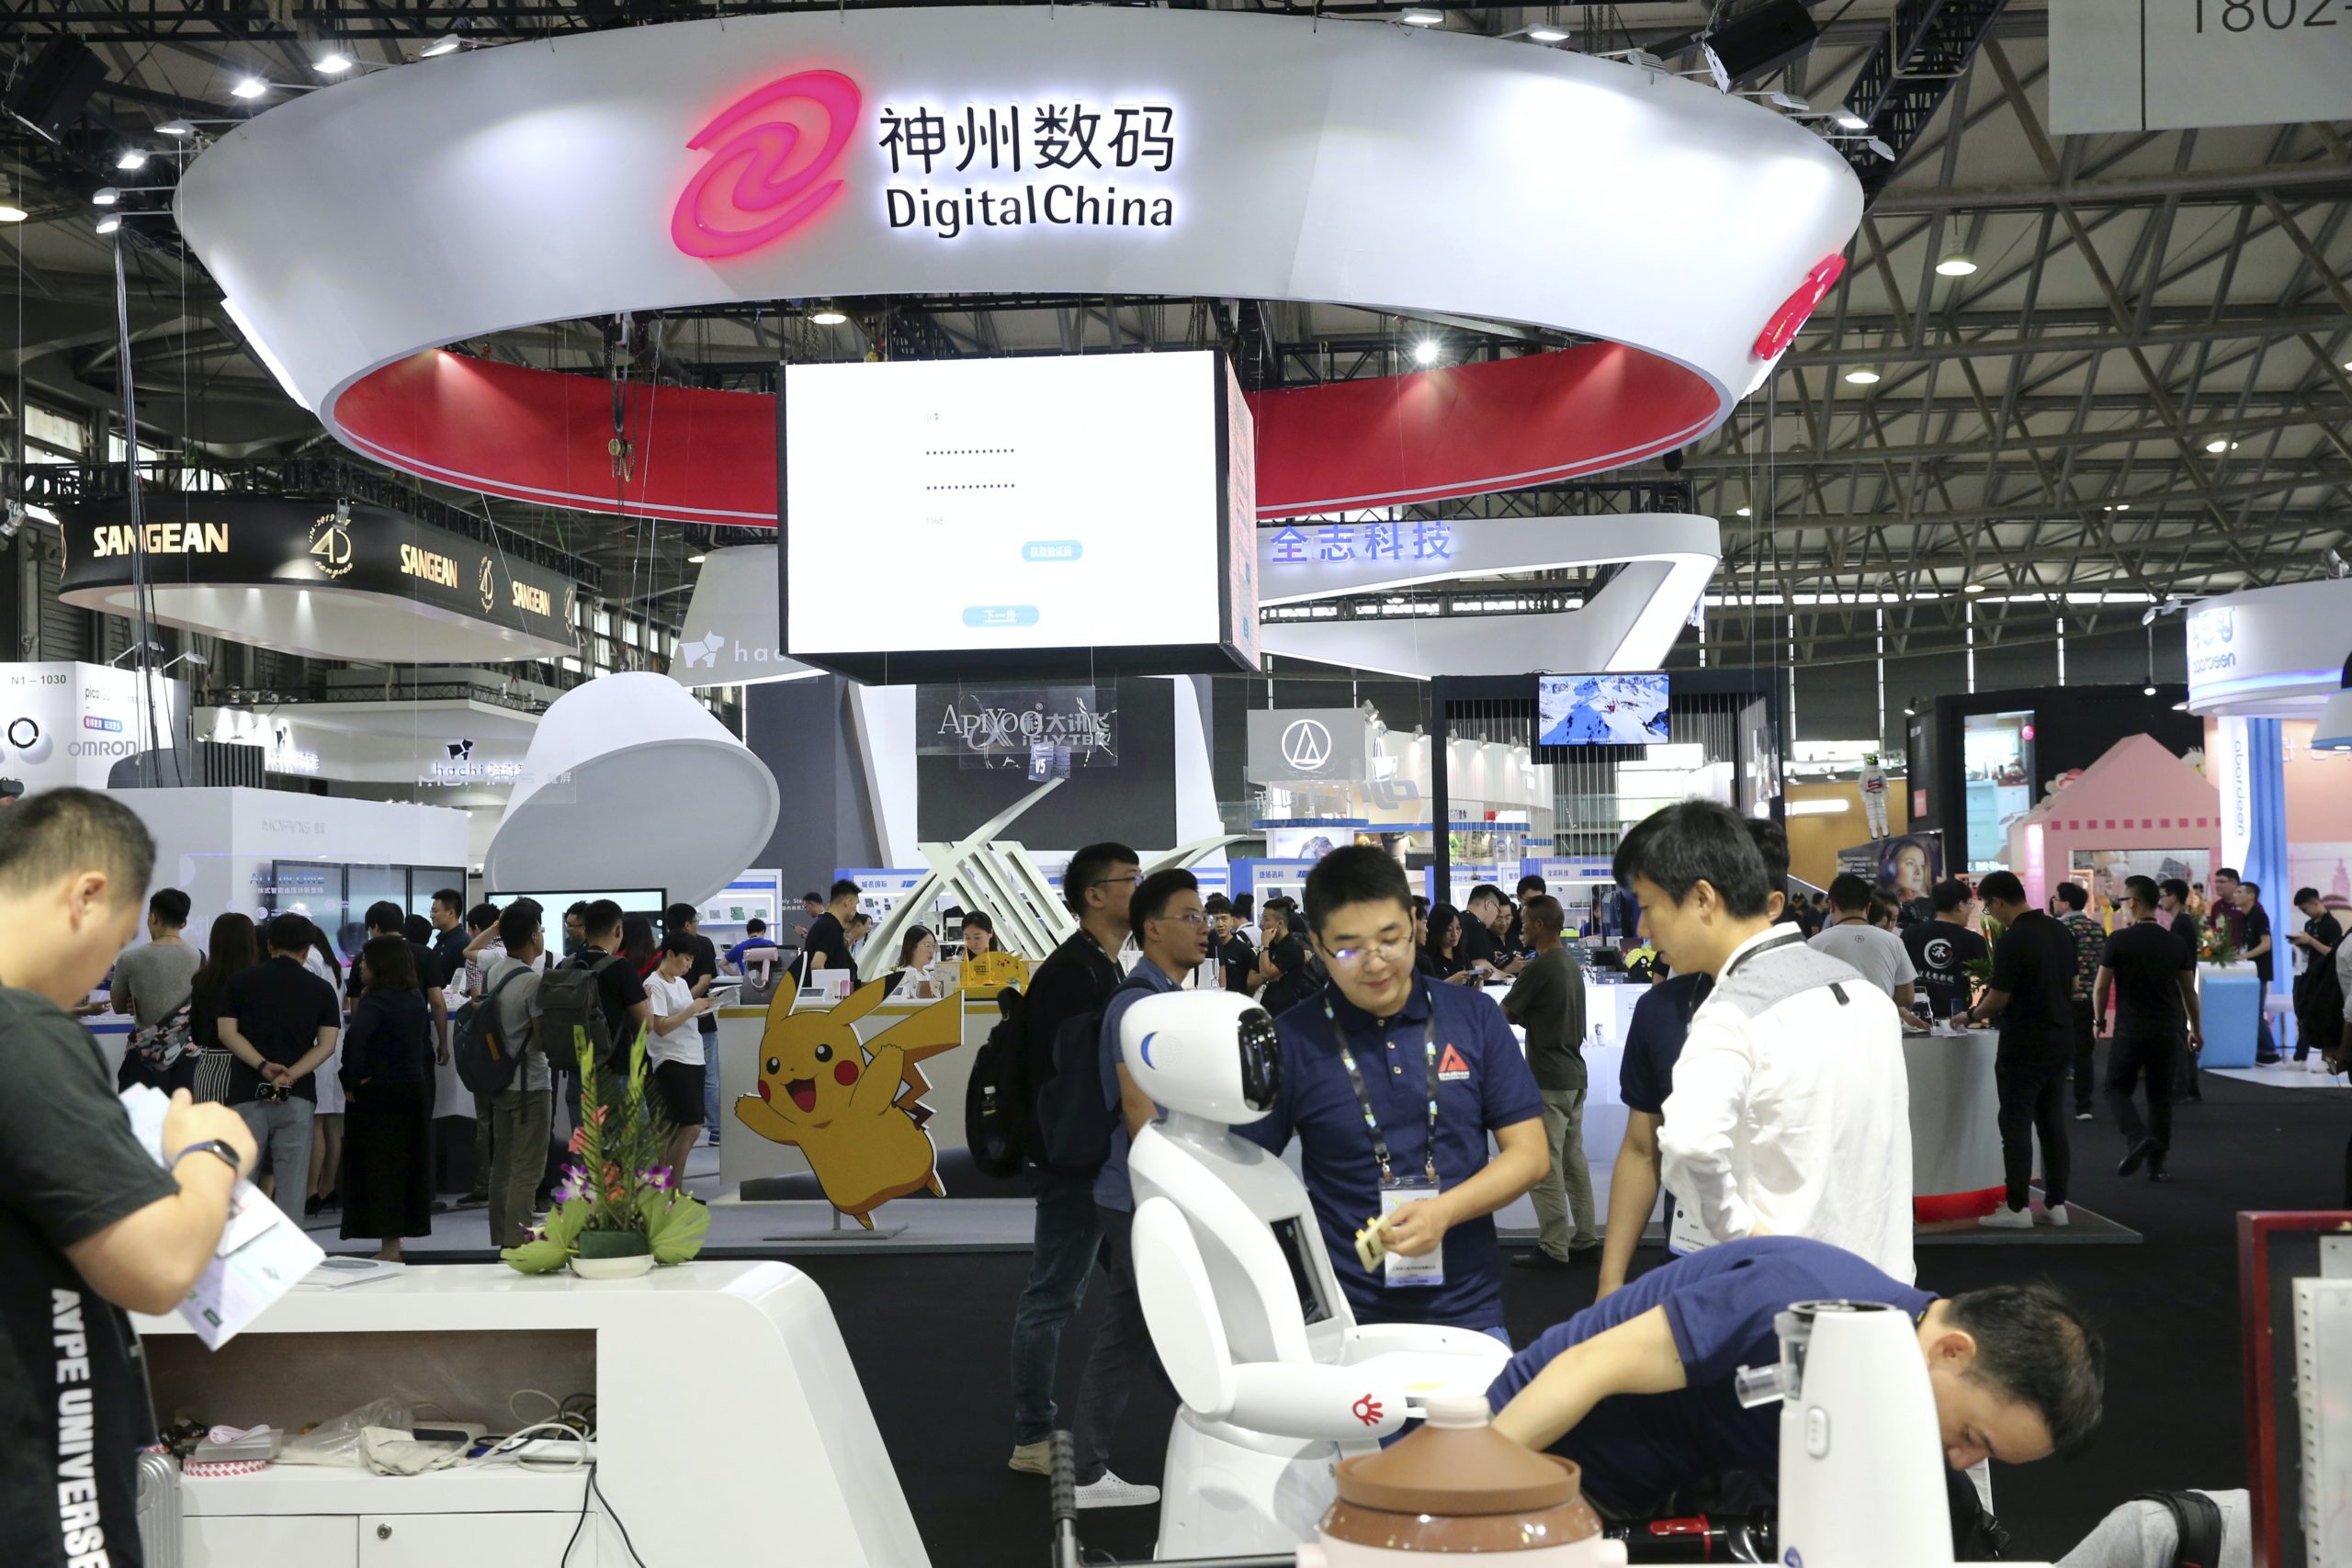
(328,478)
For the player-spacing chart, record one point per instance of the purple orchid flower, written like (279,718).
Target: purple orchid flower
(661,1179)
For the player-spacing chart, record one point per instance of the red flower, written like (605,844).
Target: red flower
(597,1116)
(579,1138)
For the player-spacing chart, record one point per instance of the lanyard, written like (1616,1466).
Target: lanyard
(1363,1101)
(1759,947)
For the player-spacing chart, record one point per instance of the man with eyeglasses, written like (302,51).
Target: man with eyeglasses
(1392,1085)
(1169,923)
(1076,979)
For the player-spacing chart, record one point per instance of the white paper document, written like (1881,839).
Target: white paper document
(261,1256)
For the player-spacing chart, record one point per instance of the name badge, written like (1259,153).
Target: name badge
(1399,1272)
(1687,1234)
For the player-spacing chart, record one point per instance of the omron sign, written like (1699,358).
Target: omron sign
(773,162)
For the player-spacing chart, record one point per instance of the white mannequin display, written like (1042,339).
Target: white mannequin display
(1278,1380)
(1875,795)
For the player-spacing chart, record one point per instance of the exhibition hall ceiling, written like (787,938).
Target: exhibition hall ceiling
(2144,387)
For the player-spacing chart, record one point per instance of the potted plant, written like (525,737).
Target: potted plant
(618,1211)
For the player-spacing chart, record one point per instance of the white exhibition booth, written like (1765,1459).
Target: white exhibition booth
(1232,155)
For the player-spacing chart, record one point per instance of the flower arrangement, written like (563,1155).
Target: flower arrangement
(615,1202)
(2218,944)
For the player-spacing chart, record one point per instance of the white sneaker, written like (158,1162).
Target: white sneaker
(2054,1215)
(1113,1493)
(2008,1219)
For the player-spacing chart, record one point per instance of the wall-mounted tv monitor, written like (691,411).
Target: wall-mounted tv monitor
(1600,710)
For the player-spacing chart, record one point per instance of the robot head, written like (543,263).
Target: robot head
(1207,1054)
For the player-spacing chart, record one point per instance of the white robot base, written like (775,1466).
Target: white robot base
(1228,1492)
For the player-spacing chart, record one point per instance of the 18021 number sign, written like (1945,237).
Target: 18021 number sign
(2268,16)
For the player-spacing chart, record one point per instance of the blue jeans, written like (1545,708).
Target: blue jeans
(710,1084)
(1069,1239)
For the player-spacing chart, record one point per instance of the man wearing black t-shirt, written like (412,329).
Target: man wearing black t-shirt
(279,1021)
(1943,948)
(90,1224)
(2254,934)
(827,945)
(2317,942)
(619,990)
(2155,983)
(2033,995)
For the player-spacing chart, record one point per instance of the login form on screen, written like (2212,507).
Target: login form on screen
(1043,502)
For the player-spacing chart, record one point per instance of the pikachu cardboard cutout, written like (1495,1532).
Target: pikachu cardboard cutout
(856,1111)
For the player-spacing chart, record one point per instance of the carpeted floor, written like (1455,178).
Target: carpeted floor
(929,1335)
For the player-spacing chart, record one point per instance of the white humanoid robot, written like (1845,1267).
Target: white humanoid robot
(1875,795)
(1279,1382)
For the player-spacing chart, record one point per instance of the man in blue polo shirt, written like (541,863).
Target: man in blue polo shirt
(1638,1388)
(1391,1086)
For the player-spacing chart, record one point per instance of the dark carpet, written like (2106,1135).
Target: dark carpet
(929,1335)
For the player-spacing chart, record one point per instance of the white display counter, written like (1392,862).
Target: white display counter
(730,1424)
(1955,1113)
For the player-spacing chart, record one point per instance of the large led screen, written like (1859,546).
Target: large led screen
(1600,710)
(959,517)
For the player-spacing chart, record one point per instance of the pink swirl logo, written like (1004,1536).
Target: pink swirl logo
(749,194)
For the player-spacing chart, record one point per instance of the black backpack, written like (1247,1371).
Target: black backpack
(990,1129)
(569,1000)
(486,1060)
(2197,1520)
(1074,1124)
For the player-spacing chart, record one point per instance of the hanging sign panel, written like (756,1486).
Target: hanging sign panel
(2176,64)
(307,577)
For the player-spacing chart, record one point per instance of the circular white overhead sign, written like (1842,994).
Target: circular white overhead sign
(1307,745)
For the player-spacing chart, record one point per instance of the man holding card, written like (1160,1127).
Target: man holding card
(90,1224)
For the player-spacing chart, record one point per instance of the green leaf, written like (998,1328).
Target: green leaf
(566,1221)
(675,1232)
(538,1256)
(587,1058)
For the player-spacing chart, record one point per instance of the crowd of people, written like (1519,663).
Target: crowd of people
(1768,1103)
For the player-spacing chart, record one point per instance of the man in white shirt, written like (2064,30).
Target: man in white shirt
(1875,954)
(1791,1112)
(673,1047)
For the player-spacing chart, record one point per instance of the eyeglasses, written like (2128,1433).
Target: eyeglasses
(1133,879)
(1191,918)
(1387,951)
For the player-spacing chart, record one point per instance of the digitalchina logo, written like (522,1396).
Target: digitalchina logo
(753,189)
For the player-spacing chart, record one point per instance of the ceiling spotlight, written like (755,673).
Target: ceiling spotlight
(2221,444)
(1547,35)
(1420,16)
(1847,120)
(1746,511)
(334,62)
(447,43)
(1863,377)
(1788,101)
(1879,146)
(2119,506)
(109,223)
(176,128)
(2148,691)
(1972,588)
(1955,266)
(696,560)
(104,195)
(132,158)
(249,87)
(829,315)
(10,213)
(1909,712)
(1425,352)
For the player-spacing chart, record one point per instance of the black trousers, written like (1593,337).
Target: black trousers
(2033,1100)
(2154,1054)
(2086,1047)
(1122,1354)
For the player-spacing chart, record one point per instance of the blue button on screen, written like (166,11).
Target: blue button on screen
(1001,616)
(1052,549)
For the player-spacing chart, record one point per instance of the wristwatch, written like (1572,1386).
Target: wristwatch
(220,1146)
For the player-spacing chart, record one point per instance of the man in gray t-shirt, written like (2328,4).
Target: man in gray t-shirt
(519,1114)
(152,981)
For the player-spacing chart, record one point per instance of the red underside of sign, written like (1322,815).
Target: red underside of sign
(699,455)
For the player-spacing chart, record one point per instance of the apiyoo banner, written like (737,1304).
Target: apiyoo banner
(70,724)
(222,564)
